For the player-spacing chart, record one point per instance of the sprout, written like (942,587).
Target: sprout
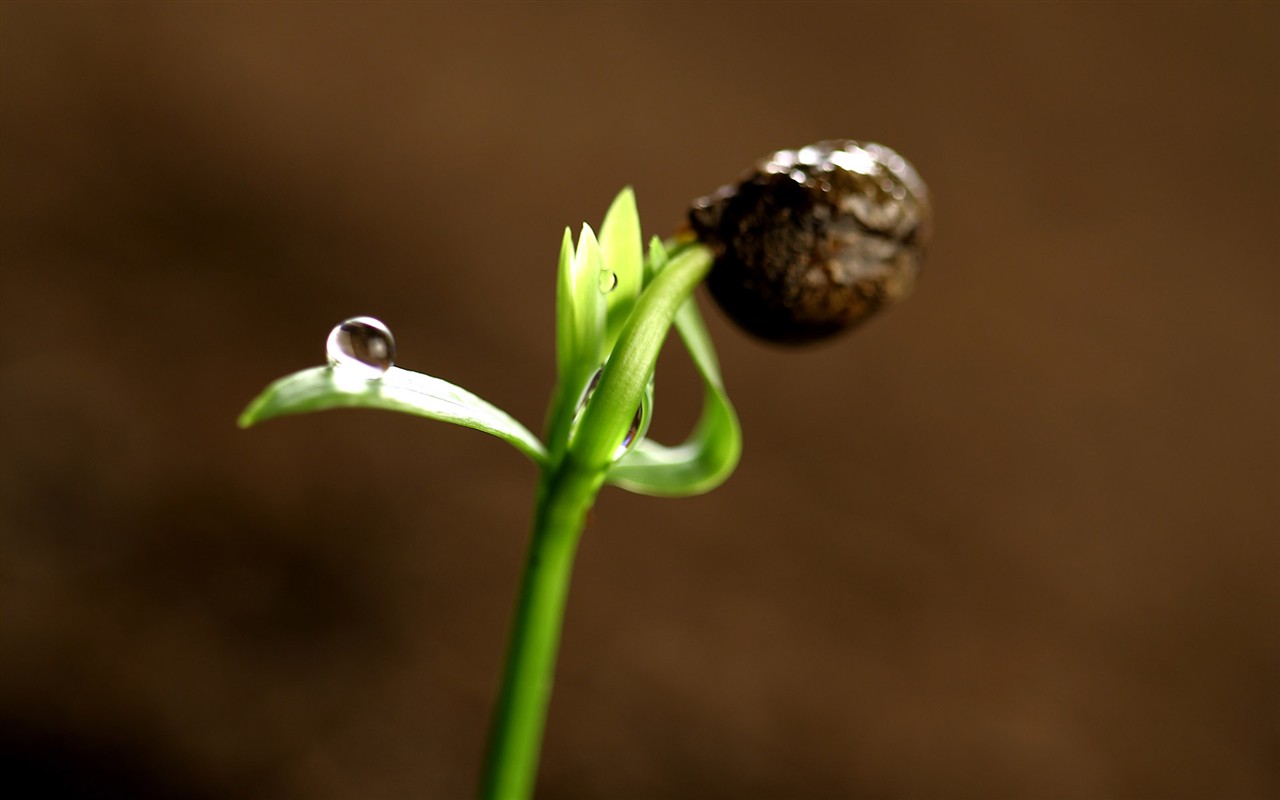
(811,242)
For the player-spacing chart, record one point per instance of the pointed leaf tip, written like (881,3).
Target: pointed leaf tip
(622,250)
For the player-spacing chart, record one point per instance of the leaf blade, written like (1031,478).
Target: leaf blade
(588,301)
(711,453)
(622,249)
(401,390)
(606,418)
(565,326)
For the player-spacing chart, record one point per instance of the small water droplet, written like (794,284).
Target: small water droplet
(608,280)
(591,387)
(638,423)
(582,401)
(633,433)
(361,347)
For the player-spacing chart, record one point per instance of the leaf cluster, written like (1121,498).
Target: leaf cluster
(615,303)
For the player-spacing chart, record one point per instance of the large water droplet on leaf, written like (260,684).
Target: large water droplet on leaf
(361,347)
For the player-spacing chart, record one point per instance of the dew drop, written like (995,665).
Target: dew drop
(633,434)
(583,399)
(639,423)
(361,347)
(608,280)
(590,390)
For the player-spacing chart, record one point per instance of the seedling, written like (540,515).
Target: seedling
(809,243)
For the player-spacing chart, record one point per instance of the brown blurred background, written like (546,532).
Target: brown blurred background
(1015,539)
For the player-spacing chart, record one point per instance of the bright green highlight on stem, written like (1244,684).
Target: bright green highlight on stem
(614,307)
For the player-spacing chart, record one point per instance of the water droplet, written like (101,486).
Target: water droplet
(591,388)
(582,401)
(361,347)
(608,280)
(639,423)
(633,435)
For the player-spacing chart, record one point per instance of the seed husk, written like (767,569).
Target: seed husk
(814,241)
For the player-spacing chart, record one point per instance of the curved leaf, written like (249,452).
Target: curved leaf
(607,417)
(322,388)
(711,452)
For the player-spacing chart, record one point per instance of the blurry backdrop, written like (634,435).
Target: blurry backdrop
(1017,538)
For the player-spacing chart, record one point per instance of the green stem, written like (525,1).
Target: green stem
(565,497)
(568,489)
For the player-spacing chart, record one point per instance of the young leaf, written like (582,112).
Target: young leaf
(621,246)
(565,327)
(588,301)
(322,388)
(657,259)
(711,452)
(630,366)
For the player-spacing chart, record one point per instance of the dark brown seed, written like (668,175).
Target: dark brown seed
(814,241)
